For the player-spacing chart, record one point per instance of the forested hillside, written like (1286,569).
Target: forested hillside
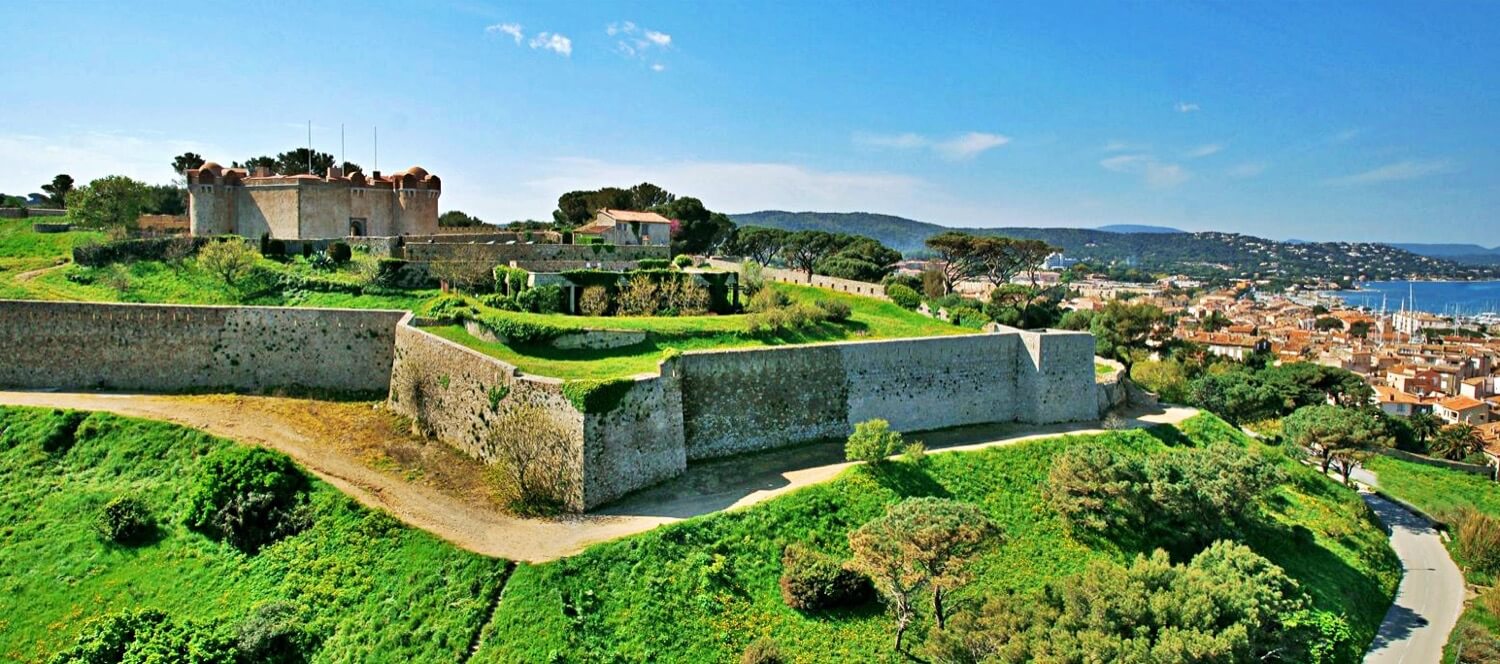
(1200,253)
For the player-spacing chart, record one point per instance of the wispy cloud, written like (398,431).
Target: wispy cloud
(633,41)
(658,67)
(1346,135)
(1156,174)
(1123,146)
(957,148)
(554,42)
(32,160)
(512,29)
(1205,150)
(1186,107)
(1410,169)
(1246,170)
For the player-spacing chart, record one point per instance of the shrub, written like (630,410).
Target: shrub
(340,252)
(1479,540)
(914,452)
(752,277)
(811,581)
(498,301)
(247,496)
(639,297)
(273,248)
(272,634)
(682,261)
(323,262)
(510,280)
(688,297)
(653,264)
(835,310)
(762,651)
(451,308)
(230,259)
(766,299)
(594,301)
(542,299)
(124,520)
(903,296)
(532,473)
(62,432)
(872,441)
(148,635)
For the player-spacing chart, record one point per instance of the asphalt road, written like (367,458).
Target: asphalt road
(1430,597)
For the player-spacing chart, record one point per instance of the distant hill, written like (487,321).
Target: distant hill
(1470,254)
(1202,253)
(1139,228)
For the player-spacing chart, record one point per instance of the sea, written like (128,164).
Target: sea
(1464,298)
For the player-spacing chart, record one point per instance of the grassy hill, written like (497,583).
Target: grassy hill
(1200,253)
(361,587)
(702,590)
(365,587)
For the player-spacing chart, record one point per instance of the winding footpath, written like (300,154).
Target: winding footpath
(1431,594)
(705,487)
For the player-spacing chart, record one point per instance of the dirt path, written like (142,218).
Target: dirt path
(32,274)
(363,452)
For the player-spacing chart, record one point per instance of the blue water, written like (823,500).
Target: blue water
(1439,297)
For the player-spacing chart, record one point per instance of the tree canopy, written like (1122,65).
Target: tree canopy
(1121,328)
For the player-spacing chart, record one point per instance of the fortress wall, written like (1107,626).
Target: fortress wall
(505,253)
(639,442)
(459,395)
(744,400)
(920,384)
(798,277)
(737,401)
(1055,378)
(169,348)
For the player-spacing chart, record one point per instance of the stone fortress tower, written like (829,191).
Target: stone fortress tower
(259,203)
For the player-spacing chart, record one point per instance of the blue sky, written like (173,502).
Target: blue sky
(1307,120)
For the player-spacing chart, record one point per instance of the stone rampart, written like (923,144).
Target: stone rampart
(753,399)
(800,278)
(169,348)
(503,254)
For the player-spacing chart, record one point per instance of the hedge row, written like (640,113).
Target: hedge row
(146,249)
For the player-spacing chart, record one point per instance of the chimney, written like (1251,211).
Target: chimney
(261,172)
(335,172)
(375,175)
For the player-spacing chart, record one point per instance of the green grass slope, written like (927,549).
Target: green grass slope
(701,590)
(368,588)
(869,319)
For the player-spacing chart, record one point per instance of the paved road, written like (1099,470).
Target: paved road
(1430,597)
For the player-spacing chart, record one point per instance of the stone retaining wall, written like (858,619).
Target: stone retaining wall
(800,278)
(171,348)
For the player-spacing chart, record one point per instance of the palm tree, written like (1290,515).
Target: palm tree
(1425,425)
(1457,442)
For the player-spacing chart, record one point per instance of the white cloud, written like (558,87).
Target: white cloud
(1409,169)
(963,146)
(1122,146)
(970,145)
(32,160)
(1186,107)
(553,42)
(1205,150)
(1156,174)
(512,29)
(635,41)
(1247,169)
(1346,135)
(658,67)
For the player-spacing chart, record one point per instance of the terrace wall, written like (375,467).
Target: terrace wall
(171,348)
(800,278)
(503,254)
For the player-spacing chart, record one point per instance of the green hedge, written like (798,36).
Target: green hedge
(597,396)
(147,249)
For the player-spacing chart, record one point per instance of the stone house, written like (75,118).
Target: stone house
(628,227)
(1454,410)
